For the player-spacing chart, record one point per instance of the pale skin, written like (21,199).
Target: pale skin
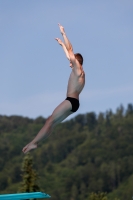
(76,83)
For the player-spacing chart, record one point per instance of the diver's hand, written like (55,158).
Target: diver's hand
(62,30)
(59,41)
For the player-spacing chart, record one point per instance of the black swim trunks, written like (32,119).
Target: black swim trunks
(74,102)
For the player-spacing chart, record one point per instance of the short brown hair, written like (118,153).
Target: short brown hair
(79,57)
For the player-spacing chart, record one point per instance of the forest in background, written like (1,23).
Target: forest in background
(89,153)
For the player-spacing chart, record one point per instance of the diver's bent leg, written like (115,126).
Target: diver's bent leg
(59,114)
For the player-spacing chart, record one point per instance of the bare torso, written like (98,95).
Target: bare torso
(75,84)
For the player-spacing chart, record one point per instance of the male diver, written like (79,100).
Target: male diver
(71,104)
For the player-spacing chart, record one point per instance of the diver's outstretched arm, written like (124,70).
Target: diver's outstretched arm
(64,47)
(66,40)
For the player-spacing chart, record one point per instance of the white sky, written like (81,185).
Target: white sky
(34,71)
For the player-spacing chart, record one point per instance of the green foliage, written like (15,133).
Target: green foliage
(124,191)
(3,182)
(98,196)
(29,176)
(86,154)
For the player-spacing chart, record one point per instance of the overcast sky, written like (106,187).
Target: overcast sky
(34,70)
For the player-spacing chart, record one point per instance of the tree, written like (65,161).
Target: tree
(81,119)
(99,196)
(3,182)
(120,112)
(29,176)
(129,110)
(91,120)
(100,118)
(74,192)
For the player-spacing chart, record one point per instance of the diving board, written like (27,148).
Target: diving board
(28,195)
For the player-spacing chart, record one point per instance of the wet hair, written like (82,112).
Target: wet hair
(79,57)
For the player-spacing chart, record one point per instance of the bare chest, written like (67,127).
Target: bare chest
(76,83)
